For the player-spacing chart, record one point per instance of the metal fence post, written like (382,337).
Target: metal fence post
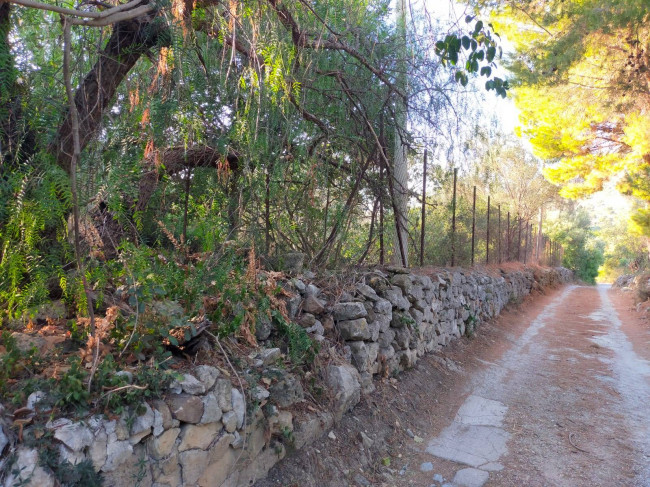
(487,239)
(473,222)
(508,239)
(424,199)
(525,242)
(499,239)
(453,222)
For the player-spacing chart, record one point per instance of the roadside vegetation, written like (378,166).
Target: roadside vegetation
(159,162)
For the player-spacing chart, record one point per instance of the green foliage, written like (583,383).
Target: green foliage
(150,382)
(482,48)
(81,474)
(8,72)
(33,202)
(583,252)
(13,361)
(165,295)
(301,349)
(581,87)
(71,389)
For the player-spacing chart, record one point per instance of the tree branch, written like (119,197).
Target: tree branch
(69,12)
(129,40)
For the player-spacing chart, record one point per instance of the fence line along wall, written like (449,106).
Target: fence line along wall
(209,431)
(469,230)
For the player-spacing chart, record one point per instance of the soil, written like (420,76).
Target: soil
(567,373)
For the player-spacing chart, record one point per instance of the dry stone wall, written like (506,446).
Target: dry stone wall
(209,432)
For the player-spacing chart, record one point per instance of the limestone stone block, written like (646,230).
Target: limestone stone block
(360,357)
(307,320)
(367,292)
(211,410)
(162,446)
(167,472)
(207,375)
(191,385)
(403,281)
(287,391)
(117,453)
(229,421)
(75,436)
(356,329)
(238,406)
(29,473)
(343,380)
(311,304)
(97,450)
(199,436)
(193,464)
(143,422)
(185,407)
(312,426)
(223,392)
(402,339)
(384,307)
(220,463)
(396,298)
(349,311)
(162,416)
(386,337)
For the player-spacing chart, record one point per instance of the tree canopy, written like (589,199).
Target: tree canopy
(192,124)
(582,84)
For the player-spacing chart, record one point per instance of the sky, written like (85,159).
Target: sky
(505,110)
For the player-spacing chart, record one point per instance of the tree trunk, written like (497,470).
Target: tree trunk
(129,40)
(400,166)
(17,142)
(103,233)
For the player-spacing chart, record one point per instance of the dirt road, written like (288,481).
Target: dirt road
(556,393)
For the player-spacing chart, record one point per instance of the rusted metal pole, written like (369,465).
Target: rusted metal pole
(424,209)
(453,222)
(532,243)
(519,240)
(508,239)
(473,222)
(499,240)
(539,233)
(525,242)
(552,253)
(487,238)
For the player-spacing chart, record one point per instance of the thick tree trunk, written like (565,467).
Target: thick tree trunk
(6,81)
(129,40)
(17,143)
(102,233)
(177,159)
(400,166)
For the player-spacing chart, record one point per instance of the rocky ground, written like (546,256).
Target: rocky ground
(554,393)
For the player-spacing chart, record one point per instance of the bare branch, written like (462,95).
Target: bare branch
(77,13)
(113,19)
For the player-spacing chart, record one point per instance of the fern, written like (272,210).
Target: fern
(36,198)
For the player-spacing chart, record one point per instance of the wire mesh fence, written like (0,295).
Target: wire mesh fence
(457,226)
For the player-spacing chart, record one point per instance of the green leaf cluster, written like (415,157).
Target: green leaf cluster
(481,49)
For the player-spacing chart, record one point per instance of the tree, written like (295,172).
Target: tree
(583,251)
(582,85)
(507,170)
(201,123)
